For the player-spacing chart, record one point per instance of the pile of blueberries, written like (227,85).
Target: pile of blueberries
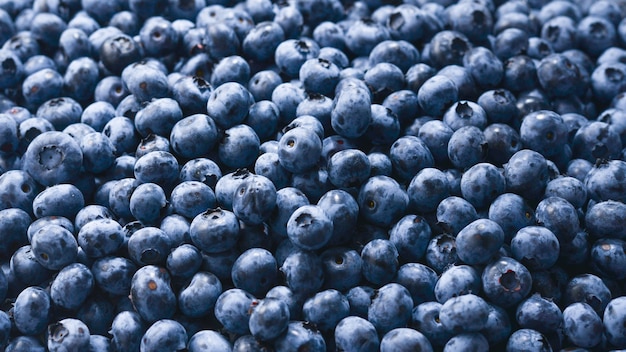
(312,175)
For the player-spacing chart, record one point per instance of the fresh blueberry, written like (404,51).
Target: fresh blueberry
(32,310)
(255,271)
(164,334)
(149,245)
(233,308)
(67,335)
(506,282)
(54,247)
(390,308)
(215,230)
(613,321)
(197,298)
(303,272)
(351,113)
(113,274)
(528,339)
(151,293)
(356,334)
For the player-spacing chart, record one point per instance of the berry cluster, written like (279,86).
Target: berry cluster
(312,175)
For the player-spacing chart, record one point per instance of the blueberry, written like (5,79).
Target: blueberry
(506,282)
(425,319)
(201,169)
(524,166)
(467,146)
(296,143)
(356,334)
(390,308)
(71,286)
(233,308)
(436,94)
(456,280)
(151,293)
(606,210)
(255,271)
(14,224)
(164,334)
(208,340)
(607,256)
(32,310)
(54,247)
(464,313)
(198,297)
(539,313)
(52,158)
(319,76)
(157,167)
(409,155)
(380,261)
(441,252)
(303,272)
(113,274)
(149,245)
(148,203)
(351,113)
(238,147)
(68,334)
(559,216)
(525,339)
(613,321)
(215,230)
(309,227)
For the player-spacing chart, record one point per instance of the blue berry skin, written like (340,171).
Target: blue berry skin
(208,340)
(512,213)
(233,308)
(291,54)
(582,325)
(148,203)
(410,235)
(360,298)
(528,339)
(607,80)
(72,286)
(326,309)
(149,245)
(68,335)
(121,132)
(177,228)
(405,339)
(380,164)
(403,103)
(419,280)
(294,145)
(481,184)
(215,230)
(269,319)
(441,252)
(436,94)
(356,334)
(288,199)
(526,174)
(111,90)
(164,334)
(589,289)
(151,293)
(613,321)
(24,265)
(465,113)
(14,224)
(52,158)
(228,104)
(467,146)
(194,136)
(54,247)
(425,319)
(536,247)
(287,96)
(484,66)
(32,310)
(390,308)
(157,167)
(12,70)
(119,197)
(479,241)
(263,118)
(603,183)
(42,86)
(192,94)
(319,76)
(454,213)
(351,113)
(455,281)
(190,198)
(145,82)
(97,114)
(300,335)
(348,168)
(201,169)
(303,272)
(59,200)
(569,188)
(380,261)
(544,131)
(309,227)
(227,184)
(469,341)
(609,209)
(197,298)
(268,165)
(381,200)
(465,313)
(158,116)
(5,329)
(498,328)
(506,282)
(239,147)
(596,140)
(126,330)
(255,271)
(436,134)
(9,134)
(342,268)
(539,313)
(608,258)
(400,53)
(254,200)
(113,275)
(559,216)
(183,261)
(262,84)
(499,105)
